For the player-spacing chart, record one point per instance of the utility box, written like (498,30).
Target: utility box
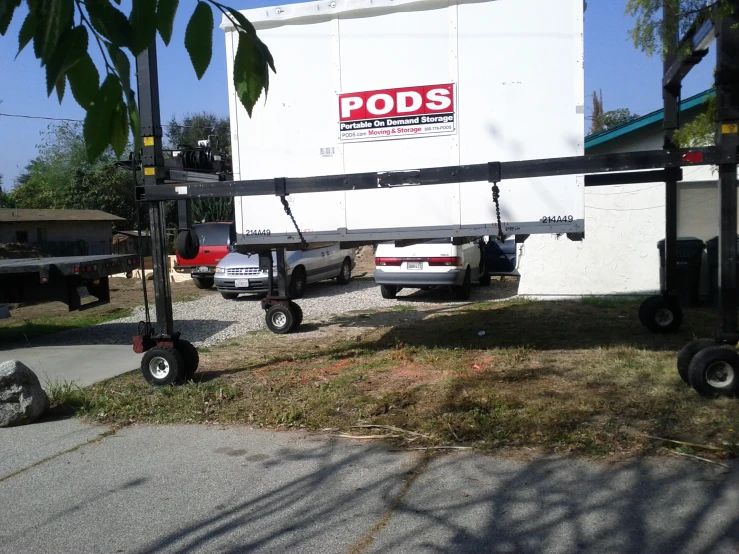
(689,259)
(381,85)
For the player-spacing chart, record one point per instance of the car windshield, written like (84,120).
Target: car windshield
(213,234)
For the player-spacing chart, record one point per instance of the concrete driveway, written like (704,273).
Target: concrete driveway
(214,489)
(83,364)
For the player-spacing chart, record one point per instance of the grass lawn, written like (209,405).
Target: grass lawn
(560,377)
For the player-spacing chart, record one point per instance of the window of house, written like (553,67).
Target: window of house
(21,236)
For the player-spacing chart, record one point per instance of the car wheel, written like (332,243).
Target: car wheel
(463,292)
(661,314)
(188,244)
(162,366)
(203,282)
(714,372)
(298,281)
(190,357)
(346,272)
(388,291)
(298,314)
(687,353)
(281,319)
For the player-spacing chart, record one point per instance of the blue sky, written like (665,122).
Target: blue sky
(627,77)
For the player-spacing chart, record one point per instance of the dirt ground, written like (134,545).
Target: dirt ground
(365,261)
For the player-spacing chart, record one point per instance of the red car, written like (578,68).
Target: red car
(215,242)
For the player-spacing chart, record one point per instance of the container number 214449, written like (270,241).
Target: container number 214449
(557,219)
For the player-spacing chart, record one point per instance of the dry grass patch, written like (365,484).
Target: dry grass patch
(554,377)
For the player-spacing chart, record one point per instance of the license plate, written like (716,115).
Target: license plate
(242,283)
(204,268)
(415,265)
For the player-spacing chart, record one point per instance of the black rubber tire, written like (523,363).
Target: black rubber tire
(190,356)
(345,275)
(703,369)
(388,291)
(170,356)
(285,317)
(188,244)
(95,290)
(463,291)
(661,314)
(298,313)
(230,295)
(687,354)
(485,280)
(298,282)
(203,283)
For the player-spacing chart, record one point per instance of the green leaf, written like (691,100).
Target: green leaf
(72,46)
(7,8)
(143,25)
(199,38)
(119,128)
(110,22)
(55,16)
(60,86)
(99,125)
(84,81)
(134,120)
(166,10)
(122,65)
(243,22)
(28,29)
(267,56)
(250,71)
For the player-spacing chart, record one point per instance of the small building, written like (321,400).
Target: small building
(623,223)
(59,232)
(127,242)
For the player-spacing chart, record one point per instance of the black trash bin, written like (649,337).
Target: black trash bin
(689,258)
(712,255)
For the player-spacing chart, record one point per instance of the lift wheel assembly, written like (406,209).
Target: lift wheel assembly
(167,360)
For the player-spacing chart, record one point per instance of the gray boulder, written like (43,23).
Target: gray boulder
(22,400)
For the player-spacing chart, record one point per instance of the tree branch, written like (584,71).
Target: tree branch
(83,18)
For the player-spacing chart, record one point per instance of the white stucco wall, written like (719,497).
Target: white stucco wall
(622,227)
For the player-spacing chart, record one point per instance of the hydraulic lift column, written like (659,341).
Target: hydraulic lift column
(671,122)
(727,140)
(152,162)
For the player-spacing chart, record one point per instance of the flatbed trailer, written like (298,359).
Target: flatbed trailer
(38,280)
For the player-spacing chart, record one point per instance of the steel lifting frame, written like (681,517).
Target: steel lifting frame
(161,184)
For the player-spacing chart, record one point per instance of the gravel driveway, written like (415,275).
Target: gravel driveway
(212,319)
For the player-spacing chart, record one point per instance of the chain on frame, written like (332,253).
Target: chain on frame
(496,199)
(289,212)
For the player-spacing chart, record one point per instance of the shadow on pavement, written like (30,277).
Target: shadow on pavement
(565,505)
(122,333)
(466,503)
